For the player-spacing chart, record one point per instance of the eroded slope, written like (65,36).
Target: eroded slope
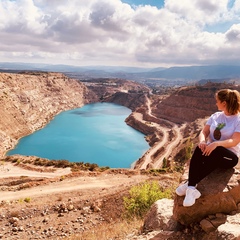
(29,101)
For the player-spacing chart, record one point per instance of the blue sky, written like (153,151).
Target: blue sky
(147,33)
(156,3)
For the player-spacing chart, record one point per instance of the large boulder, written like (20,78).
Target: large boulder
(220,194)
(159,217)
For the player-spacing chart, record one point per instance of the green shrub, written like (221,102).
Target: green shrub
(102,169)
(27,199)
(188,149)
(93,167)
(158,172)
(62,163)
(142,197)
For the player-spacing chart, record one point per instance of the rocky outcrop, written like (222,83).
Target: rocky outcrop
(129,100)
(29,101)
(215,215)
(220,193)
(159,224)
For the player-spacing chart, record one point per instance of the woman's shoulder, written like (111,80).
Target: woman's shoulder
(217,114)
(238,117)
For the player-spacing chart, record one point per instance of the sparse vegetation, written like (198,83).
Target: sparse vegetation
(142,197)
(183,155)
(75,166)
(188,149)
(27,199)
(159,171)
(62,178)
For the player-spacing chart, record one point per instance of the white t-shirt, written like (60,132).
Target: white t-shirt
(232,124)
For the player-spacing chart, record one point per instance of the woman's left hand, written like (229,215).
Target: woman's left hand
(209,148)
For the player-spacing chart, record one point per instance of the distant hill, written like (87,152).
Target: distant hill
(69,68)
(187,73)
(196,72)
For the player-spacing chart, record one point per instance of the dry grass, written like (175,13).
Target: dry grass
(43,162)
(111,231)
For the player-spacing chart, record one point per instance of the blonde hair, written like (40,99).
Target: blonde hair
(232,99)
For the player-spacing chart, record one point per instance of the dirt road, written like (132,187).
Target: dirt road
(10,170)
(76,184)
(165,144)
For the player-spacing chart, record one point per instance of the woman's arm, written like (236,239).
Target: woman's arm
(203,136)
(231,142)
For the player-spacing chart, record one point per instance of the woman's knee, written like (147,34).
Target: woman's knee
(233,162)
(229,159)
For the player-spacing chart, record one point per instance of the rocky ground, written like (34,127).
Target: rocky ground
(41,206)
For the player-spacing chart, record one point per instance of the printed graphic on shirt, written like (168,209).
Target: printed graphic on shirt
(217,131)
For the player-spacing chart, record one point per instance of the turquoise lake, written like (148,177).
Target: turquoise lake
(96,133)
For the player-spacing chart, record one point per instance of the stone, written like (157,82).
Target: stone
(231,227)
(70,207)
(159,217)
(219,221)
(207,226)
(13,220)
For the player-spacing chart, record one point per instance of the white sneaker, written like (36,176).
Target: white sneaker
(181,190)
(191,196)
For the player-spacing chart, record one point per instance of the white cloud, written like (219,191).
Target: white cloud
(112,33)
(236,6)
(233,34)
(199,12)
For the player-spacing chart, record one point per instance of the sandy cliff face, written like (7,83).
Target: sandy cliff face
(29,101)
(189,103)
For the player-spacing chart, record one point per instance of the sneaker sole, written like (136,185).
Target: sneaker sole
(180,194)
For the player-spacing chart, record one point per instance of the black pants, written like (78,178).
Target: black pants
(201,165)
